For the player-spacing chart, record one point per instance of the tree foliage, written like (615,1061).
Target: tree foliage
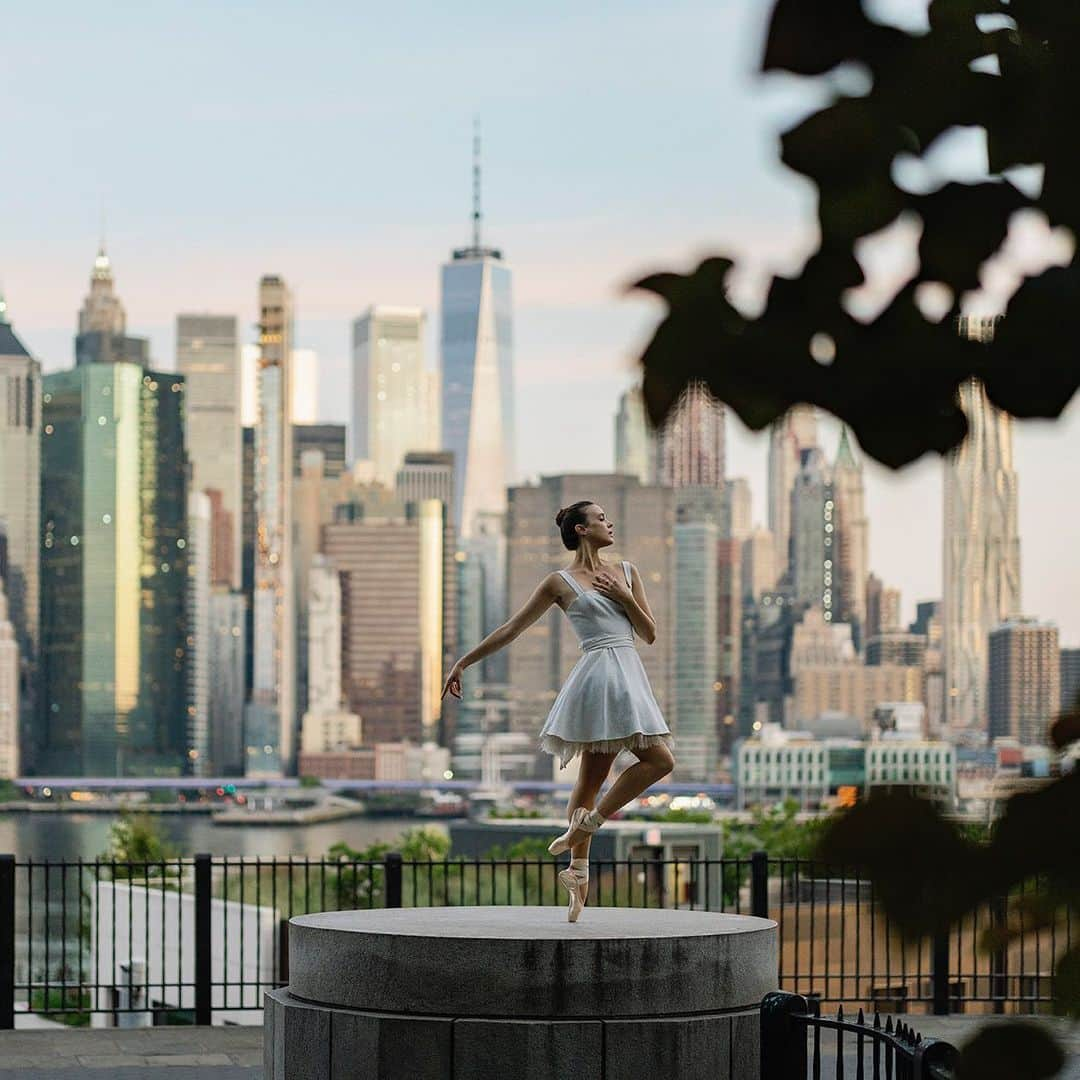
(1010,68)
(894,379)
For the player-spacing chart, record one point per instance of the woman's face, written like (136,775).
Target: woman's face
(597,530)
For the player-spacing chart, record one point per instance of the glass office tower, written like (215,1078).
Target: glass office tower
(478,382)
(114,573)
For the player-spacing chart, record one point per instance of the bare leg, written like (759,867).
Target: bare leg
(591,776)
(654,763)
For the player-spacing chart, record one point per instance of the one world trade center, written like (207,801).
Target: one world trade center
(478,407)
(478,377)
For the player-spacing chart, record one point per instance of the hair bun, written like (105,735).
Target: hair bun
(559,517)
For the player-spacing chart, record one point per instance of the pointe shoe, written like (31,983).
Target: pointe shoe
(576,886)
(578,823)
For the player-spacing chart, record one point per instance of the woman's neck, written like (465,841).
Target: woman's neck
(587,559)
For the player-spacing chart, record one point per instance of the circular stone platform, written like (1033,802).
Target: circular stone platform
(483,992)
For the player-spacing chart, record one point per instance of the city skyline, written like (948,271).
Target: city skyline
(647,192)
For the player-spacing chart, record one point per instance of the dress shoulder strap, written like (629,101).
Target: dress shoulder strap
(573,582)
(626,571)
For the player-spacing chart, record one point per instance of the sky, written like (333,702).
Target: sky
(330,142)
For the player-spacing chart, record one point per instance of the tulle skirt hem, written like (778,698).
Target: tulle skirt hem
(566,750)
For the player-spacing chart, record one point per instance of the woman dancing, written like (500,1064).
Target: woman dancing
(606,704)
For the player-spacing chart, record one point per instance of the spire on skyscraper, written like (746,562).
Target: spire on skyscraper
(102,310)
(476,250)
(845,456)
(476,191)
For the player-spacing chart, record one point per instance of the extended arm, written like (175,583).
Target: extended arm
(542,598)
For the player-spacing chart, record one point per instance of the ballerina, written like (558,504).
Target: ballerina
(606,704)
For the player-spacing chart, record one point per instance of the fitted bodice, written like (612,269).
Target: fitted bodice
(598,621)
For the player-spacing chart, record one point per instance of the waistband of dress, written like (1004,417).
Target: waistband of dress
(613,641)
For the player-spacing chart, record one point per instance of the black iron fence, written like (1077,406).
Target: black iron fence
(199,940)
(791,1045)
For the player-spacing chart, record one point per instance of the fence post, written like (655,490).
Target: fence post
(7,942)
(202,940)
(759,884)
(783,1040)
(392,866)
(939,971)
(999,958)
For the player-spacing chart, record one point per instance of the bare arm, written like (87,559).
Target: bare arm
(544,595)
(633,600)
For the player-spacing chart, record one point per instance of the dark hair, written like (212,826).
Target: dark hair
(568,518)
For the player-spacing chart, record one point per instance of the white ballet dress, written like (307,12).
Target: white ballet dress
(606,704)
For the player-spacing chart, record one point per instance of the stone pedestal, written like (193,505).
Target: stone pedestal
(474,993)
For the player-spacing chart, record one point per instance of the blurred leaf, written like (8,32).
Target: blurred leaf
(1033,369)
(1066,728)
(1067,983)
(810,37)
(1017,1050)
(940,874)
(964,224)
(894,381)
(1036,834)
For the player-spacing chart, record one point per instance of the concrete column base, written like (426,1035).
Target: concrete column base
(486,993)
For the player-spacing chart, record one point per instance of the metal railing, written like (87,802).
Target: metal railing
(788,1022)
(198,940)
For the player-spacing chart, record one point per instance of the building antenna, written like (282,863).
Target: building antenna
(476,212)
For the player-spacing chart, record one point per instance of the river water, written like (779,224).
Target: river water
(63,835)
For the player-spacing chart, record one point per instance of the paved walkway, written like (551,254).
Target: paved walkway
(235,1053)
(154,1053)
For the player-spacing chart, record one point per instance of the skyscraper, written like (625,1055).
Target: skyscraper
(270,719)
(397,574)
(102,336)
(852,539)
(10,765)
(882,607)
(208,356)
(737,517)
(200,640)
(696,652)
(477,373)
(788,437)
(327,438)
(426,475)
(114,569)
(1069,665)
(20,466)
(228,618)
(758,564)
(395,396)
(981,549)
(635,441)
(814,572)
(1024,680)
(305,386)
(690,442)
